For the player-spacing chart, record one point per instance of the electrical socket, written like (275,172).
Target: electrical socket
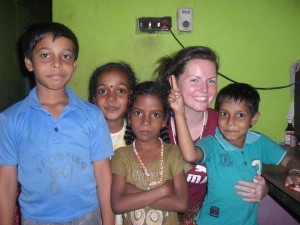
(154,24)
(185,19)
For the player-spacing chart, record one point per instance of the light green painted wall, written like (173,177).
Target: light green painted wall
(256,40)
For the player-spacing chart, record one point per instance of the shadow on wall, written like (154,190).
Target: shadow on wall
(15,16)
(29,76)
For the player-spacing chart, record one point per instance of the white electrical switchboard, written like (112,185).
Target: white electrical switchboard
(185,19)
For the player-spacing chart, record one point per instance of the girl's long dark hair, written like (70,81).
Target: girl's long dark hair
(148,88)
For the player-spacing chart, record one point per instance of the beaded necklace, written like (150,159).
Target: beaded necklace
(173,127)
(152,183)
(203,124)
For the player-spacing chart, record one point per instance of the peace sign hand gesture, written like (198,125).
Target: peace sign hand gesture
(175,97)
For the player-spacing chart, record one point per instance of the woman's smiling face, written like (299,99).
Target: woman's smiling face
(198,84)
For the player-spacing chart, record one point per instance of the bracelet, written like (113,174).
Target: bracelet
(294,171)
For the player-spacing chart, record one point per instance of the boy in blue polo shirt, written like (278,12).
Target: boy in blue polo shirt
(234,153)
(55,144)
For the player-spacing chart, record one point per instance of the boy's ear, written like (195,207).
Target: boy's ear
(75,65)
(254,119)
(28,64)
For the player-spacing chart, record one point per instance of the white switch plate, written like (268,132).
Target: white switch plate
(185,19)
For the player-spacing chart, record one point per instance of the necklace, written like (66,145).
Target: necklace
(152,183)
(174,129)
(203,124)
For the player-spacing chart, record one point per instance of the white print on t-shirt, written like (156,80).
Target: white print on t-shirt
(196,178)
(200,169)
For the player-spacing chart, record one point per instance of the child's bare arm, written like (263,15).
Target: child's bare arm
(189,152)
(293,166)
(8,193)
(123,201)
(177,202)
(103,175)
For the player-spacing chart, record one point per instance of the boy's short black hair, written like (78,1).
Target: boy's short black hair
(36,32)
(238,92)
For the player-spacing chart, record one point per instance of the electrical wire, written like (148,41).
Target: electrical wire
(260,88)
(175,37)
(274,88)
(229,79)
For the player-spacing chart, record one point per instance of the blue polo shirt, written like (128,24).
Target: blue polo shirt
(226,165)
(54,156)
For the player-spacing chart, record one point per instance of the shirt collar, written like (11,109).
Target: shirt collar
(73,101)
(251,137)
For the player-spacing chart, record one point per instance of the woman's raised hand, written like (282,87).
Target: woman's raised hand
(252,192)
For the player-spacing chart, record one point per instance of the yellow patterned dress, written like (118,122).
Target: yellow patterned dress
(125,163)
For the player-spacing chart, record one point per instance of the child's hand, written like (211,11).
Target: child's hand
(293,180)
(175,98)
(253,192)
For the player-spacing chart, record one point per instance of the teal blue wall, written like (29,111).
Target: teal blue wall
(256,40)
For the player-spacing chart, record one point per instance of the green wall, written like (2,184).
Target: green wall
(256,40)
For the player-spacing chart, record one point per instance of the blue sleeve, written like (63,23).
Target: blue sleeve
(272,153)
(101,144)
(8,153)
(206,145)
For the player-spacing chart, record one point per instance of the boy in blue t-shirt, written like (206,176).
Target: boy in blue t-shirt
(55,144)
(234,153)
